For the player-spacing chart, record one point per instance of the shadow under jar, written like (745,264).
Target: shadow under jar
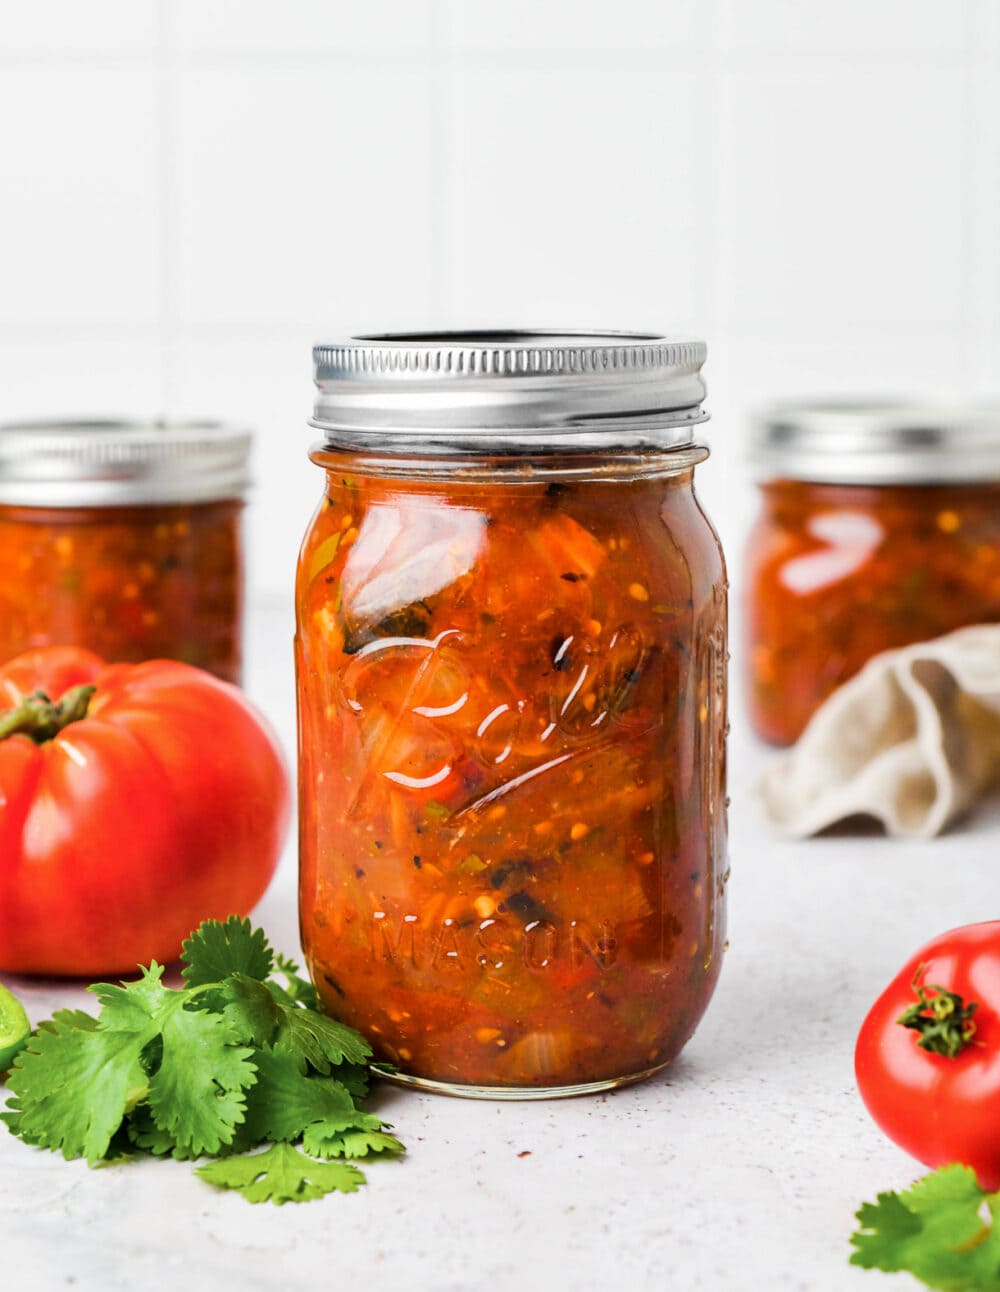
(879,527)
(124,538)
(511,655)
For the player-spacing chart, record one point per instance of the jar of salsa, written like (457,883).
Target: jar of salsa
(511,656)
(880,527)
(124,538)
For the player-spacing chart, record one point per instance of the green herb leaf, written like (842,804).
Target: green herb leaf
(284,1102)
(320,1041)
(351,1143)
(281,1174)
(214,951)
(143,1133)
(298,990)
(322,1139)
(197,1093)
(234,1060)
(70,1018)
(942,1230)
(73,1087)
(311,1039)
(251,1010)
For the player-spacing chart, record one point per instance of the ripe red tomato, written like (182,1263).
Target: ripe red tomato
(164,804)
(941,1109)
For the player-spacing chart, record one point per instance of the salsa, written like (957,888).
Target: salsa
(512,718)
(129,583)
(838,573)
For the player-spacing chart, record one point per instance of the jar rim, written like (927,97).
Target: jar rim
(876,441)
(120,462)
(509,390)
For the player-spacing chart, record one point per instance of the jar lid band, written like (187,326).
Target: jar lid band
(875,442)
(121,463)
(483,391)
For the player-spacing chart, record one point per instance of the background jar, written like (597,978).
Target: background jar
(511,654)
(124,538)
(879,527)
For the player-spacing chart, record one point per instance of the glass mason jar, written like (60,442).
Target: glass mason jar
(879,527)
(124,538)
(511,655)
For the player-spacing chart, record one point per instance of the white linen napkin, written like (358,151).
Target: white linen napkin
(913,740)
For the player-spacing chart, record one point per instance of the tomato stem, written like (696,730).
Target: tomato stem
(943,1020)
(40,719)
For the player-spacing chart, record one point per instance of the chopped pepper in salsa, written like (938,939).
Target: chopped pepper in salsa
(512,735)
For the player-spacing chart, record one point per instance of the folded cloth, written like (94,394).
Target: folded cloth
(912,740)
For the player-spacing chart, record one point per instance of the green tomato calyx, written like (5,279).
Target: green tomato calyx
(941,1017)
(40,719)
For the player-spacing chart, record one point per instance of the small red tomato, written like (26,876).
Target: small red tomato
(137,802)
(932,1080)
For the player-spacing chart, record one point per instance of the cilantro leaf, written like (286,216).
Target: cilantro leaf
(134,1006)
(281,1174)
(234,1060)
(197,1093)
(72,1018)
(76,1082)
(298,990)
(320,1041)
(355,1076)
(284,1101)
(73,1087)
(942,1230)
(214,951)
(251,1010)
(310,1038)
(349,1143)
(144,1134)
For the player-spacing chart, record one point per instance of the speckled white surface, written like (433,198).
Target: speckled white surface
(740,1168)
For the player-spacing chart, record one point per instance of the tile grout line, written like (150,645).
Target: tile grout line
(166,174)
(521,56)
(969,252)
(440,190)
(982,243)
(717,304)
(820,331)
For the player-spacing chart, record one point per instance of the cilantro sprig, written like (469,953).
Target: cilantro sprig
(235,1060)
(945,1230)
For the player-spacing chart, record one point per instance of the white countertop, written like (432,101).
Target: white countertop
(739,1168)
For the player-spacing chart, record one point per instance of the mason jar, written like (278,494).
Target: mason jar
(879,526)
(511,656)
(124,538)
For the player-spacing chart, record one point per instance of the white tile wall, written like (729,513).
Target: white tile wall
(191,191)
(560,26)
(79,194)
(559,210)
(859,29)
(67,27)
(301,194)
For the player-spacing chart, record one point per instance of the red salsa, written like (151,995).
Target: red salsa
(129,583)
(837,573)
(512,741)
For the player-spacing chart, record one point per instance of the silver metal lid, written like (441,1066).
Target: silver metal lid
(871,442)
(120,463)
(446,392)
